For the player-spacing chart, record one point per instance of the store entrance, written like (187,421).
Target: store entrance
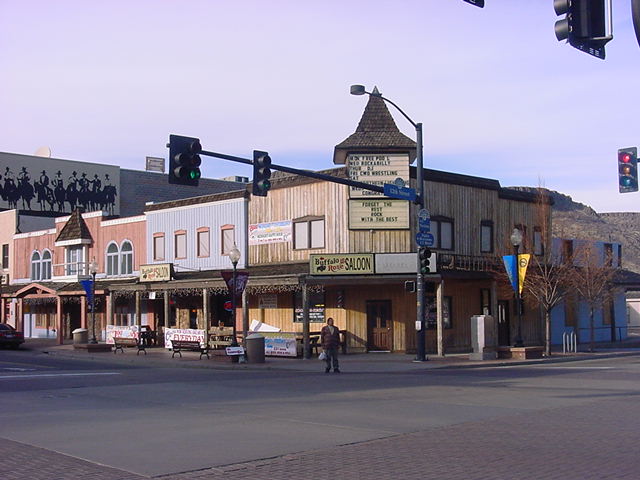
(379,325)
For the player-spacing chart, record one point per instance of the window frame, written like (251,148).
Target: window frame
(309,232)
(438,221)
(74,266)
(538,241)
(112,259)
(5,256)
(486,224)
(179,236)
(431,322)
(201,231)
(159,256)
(225,249)
(126,257)
(35,266)
(46,264)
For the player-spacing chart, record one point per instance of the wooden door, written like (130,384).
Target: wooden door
(379,325)
(504,330)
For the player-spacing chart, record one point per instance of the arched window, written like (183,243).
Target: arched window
(126,258)
(35,266)
(112,259)
(46,265)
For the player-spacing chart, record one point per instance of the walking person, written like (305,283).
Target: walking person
(330,340)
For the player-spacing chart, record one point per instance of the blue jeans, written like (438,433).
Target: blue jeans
(332,357)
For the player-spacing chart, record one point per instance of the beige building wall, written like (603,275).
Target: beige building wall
(8,224)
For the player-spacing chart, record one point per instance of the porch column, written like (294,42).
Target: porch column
(138,309)
(59,321)
(306,346)
(494,309)
(206,311)
(83,311)
(19,317)
(245,316)
(440,318)
(109,308)
(3,305)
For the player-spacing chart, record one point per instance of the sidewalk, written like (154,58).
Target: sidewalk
(354,363)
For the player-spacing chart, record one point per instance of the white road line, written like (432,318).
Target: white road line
(7,377)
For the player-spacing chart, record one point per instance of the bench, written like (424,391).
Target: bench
(191,345)
(220,337)
(120,342)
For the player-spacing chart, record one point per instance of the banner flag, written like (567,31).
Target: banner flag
(510,267)
(241,281)
(523,263)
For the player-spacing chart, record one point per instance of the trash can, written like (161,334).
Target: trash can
(80,335)
(255,348)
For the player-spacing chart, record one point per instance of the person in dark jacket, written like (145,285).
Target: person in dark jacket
(330,340)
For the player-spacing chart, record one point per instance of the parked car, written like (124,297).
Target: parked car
(10,337)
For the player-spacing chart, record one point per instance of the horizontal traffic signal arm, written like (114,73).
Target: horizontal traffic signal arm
(295,171)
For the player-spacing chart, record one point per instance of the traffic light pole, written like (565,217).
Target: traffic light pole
(420,313)
(295,171)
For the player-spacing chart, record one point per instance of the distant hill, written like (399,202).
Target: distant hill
(576,220)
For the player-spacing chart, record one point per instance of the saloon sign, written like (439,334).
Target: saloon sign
(341,264)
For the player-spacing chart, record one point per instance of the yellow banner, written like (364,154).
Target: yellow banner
(523,263)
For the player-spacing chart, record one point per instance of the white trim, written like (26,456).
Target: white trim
(97,213)
(197,205)
(37,233)
(76,241)
(121,221)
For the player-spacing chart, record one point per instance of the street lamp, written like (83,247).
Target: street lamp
(234,256)
(420,306)
(93,269)
(516,241)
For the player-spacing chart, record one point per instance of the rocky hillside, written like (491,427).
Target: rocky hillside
(576,220)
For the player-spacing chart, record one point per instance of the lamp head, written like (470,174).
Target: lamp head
(516,237)
(93,267)
(357,90)
(234,255)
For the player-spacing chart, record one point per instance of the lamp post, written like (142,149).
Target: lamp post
(516,241)
(420,306)
(93,269)
(234,256)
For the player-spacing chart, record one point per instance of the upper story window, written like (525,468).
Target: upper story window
(46,265)
(442,231)
(158,246)
(608,255)
(112,259)
(228,240)
(538,244)
(567,251)
(180,244)
(308,232)
(5,255)
(486,236)
(203,242)
(126,258)
(75,260)
(35,266)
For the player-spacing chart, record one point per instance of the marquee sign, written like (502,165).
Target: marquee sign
(157,272)
(376,169)
(341,264)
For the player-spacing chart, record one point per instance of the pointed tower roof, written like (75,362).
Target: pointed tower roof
(377,132)
(75,231)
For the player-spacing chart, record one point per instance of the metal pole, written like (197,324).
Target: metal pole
(234,340)
(93,308)
(420,333)
(518,301)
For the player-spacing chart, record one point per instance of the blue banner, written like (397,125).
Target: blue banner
(88,287)
(510,266)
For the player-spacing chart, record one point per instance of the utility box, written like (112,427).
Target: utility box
(255,348)
(483,338)
(80,335)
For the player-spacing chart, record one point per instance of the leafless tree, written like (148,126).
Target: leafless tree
(592,278)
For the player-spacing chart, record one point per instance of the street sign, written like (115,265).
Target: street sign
(401,193)
(424,239)
(234,351)
(423,214)
(424,225)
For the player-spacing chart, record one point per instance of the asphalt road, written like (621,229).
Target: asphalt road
(205,423)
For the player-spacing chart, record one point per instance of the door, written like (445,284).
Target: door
(379,325)
(504,330)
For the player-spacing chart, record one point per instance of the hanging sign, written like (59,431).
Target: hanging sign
(519,269)
(241,281)
(341,264)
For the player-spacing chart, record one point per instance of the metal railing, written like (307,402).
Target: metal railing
(451,261)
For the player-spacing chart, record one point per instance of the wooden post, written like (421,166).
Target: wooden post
(83,311)
(138,309)
(245,317)
(206,311)
(109,308)
(306,345)
(167,312)
(59,320)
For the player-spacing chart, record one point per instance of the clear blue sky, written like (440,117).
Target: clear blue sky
(498,95)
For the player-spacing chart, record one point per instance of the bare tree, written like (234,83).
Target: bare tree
(548,277)
(592,278)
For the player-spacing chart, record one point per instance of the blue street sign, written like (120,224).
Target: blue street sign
(423,214)
(401,193)
(424,239)
(424,224)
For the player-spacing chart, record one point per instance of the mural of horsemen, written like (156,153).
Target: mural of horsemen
(56,190)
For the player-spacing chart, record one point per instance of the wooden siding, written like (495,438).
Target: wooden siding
(192,217)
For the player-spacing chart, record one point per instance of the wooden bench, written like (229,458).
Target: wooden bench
(120,342)
(191,345)
(220,337)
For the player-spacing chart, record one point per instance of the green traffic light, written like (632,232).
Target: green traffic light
(194,174)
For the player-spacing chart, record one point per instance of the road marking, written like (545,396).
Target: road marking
(16,369)
(6,377)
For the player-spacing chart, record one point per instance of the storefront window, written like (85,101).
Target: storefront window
(316,307)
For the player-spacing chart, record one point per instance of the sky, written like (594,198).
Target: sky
(497,94)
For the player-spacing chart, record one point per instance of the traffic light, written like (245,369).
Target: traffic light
(628,170)
(427,260)
(587,24)
(261,173)
(477,3)
(184,160)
